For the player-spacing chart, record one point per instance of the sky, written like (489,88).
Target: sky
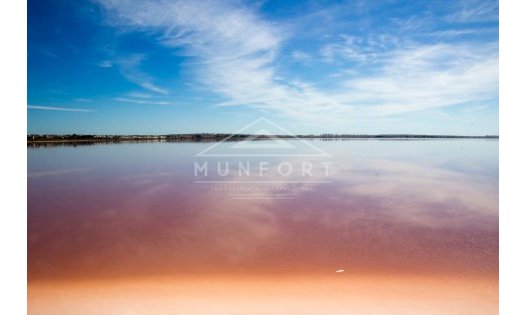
(312,67)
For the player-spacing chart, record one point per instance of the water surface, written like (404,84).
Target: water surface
(396,227)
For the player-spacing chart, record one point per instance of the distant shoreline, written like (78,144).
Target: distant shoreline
(206,137)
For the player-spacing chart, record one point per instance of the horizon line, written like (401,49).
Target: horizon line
(223,134)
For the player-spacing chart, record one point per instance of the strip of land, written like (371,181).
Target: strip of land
(211,137)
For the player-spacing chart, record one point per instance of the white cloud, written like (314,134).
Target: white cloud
(129,67)
(142,101)
(424,77)
(84,100)
(64,109)
(235,53)
(359,49)
(475,11)
(135,94)
(105,64)
(299,55)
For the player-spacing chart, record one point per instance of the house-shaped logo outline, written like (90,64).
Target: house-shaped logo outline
(319,152)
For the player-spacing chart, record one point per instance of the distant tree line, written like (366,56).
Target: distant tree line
(202,137)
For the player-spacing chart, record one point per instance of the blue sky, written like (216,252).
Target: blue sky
(157,67)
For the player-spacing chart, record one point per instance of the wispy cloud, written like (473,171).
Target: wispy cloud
(301,56)
(236,54)
(64,109)
(445,34)
(475,11)
(135,94)
(105,64)
(130,69)
(45,51)
(359,49)
(84,100)
(424,77)
(142,101)
(235,49)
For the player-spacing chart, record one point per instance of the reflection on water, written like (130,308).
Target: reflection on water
(406,220)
